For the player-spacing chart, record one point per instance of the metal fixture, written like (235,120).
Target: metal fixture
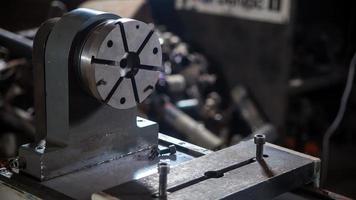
(194,130)
(91,70)
(170,150)
(231,173)
(120,62)
(163,171)
(260,140)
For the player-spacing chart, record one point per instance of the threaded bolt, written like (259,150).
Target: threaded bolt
(163,171)
(260,140)
(170,150)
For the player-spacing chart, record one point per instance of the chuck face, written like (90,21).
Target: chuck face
(120,62)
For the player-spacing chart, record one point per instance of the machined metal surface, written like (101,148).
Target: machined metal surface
(120,62)
(100,145)
(260,141)
(81,131)
(191,128)
(171,149)
(290,169)
(59,70)
(231,173)
(83,183)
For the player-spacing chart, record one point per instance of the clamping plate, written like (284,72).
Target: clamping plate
(120,62)
(231,173)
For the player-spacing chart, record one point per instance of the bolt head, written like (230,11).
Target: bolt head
(172,149)
(259,139)
(163,168)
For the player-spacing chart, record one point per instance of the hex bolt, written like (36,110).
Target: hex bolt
(163,171)
(260,140)
(170,150)
(17,164)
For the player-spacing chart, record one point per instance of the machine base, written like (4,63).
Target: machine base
(197,173)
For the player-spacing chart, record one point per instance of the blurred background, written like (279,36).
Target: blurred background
(233,68)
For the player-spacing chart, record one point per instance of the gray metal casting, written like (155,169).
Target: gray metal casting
(80,130)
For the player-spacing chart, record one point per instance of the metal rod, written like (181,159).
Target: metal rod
(17,44)
(196,132)
(260,140)
(163,171)
(170,150)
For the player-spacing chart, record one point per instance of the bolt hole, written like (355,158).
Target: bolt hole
(137,26)
(110,43)
(123,63)
(213,174)
(265,156)
(155,50)
(122,100)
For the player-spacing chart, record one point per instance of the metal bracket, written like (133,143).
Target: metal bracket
(79,130)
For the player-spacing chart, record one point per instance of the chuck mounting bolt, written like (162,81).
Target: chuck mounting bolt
(259,140)
(163,171)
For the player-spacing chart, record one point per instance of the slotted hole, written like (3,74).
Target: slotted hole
(213,174)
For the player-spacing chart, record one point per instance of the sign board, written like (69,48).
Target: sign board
(272,11)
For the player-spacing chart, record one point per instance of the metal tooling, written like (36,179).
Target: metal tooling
(231,173)
(79,184)
(91,70)
(83,183)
